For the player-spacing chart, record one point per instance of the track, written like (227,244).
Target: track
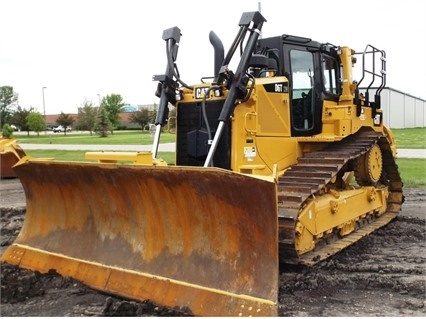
(319,173)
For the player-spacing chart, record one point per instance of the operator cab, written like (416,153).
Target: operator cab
(313,71)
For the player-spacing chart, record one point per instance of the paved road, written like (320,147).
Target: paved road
(167,147)
(411,153)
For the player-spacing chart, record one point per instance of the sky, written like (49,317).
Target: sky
(83,50)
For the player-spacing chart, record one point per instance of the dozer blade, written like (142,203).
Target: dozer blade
(10,154)
(205,239)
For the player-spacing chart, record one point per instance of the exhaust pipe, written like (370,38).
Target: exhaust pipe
(219,52)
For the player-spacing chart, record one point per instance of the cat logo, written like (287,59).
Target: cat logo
(200,92)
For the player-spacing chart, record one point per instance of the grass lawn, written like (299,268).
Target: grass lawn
(413,171)
(84,138)
(410,137)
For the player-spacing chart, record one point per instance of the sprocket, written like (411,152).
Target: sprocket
(369,166)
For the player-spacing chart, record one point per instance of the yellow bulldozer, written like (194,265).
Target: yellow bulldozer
(282,161)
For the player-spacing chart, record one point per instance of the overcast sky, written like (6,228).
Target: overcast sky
(78,49)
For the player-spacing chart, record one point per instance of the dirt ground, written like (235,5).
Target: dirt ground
(381,275)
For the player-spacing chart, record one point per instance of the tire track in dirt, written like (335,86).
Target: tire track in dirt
(381,275)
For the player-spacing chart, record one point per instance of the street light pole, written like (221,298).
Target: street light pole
(44,109)
(99,99)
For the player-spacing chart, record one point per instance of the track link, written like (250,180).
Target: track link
(313,175)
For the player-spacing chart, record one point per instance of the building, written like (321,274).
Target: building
(124,116)
(401,110)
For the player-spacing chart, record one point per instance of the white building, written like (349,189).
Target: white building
(400,110)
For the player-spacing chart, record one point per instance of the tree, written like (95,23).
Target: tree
(7,97)
(172,119)
(65,120)
(142,117)
(35,122)
(86,117)
(19,118)
(154,113)
(7,131)
(102,124)
(113,104)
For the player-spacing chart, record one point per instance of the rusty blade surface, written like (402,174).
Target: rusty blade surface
(195,237)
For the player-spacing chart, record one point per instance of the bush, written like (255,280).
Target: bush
(7,131)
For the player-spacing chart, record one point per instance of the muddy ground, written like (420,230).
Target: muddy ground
(381,275)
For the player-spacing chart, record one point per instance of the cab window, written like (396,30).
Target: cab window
(302,84)
(330,75)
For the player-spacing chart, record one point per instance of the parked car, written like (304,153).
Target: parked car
(60,128)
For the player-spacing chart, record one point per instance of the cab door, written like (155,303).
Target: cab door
(303,70)
(313,70)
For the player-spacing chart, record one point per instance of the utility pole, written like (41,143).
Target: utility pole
(44,109)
